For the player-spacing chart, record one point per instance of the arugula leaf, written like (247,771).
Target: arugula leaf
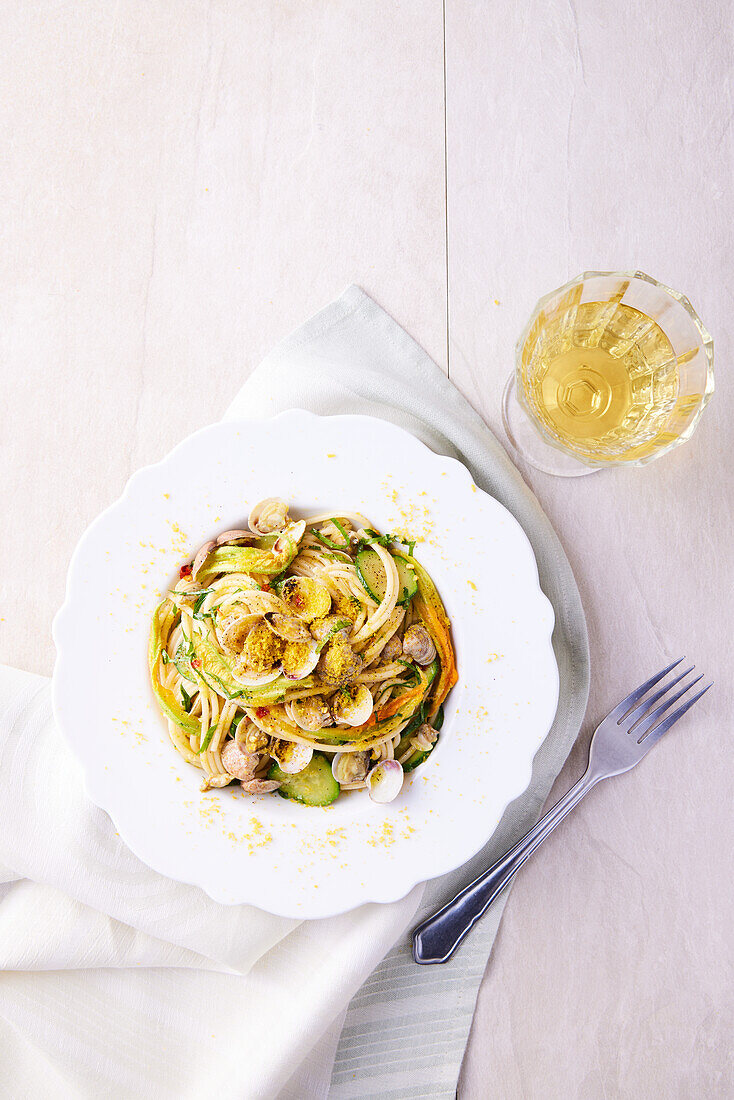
(438,720)
(186,699)
(207,739)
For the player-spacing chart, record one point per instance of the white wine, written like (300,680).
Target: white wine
(601,378)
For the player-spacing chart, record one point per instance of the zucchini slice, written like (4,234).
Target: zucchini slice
(314,786)
(371,573)
(408,580)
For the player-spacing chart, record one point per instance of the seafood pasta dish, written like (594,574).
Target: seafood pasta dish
(303,657)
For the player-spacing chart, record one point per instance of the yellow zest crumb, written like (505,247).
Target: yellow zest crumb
(385,836)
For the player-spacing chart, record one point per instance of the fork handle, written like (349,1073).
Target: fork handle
(436,939)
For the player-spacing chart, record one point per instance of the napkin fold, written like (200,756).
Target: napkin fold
(120,982)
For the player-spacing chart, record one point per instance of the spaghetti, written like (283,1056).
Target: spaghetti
(305,657)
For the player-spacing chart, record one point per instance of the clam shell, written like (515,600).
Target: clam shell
(324,630)
(418,645)
(254,679)
(260,786)
(306,598)
(232,630)
(304,664)
(292,758)
(310,714)
(235,536)
(353,706)
(350,767)
(268,515)
(385,781)
(287,627)
(238,763)
(201,555)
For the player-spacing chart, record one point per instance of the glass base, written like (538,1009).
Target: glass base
(527,442)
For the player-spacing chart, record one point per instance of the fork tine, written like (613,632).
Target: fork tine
(634,696)
(641,710)
(655,734)
(651,716)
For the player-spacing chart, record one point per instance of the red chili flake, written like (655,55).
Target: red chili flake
(184,571)
(298,600)
(266,587)
(196,663)
(262,712)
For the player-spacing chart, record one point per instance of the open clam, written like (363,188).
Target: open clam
(352,705)
(339,664)
(291,757)
(268,515)
(350,767)
(299,659)
(306,598)
(246,676)
(311,714)
(287,627)
(323,630)
(232,629)
(385,781)
(261,650)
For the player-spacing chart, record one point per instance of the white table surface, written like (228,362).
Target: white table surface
(184,182)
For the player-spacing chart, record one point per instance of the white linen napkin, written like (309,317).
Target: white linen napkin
(128,984)
(119,982)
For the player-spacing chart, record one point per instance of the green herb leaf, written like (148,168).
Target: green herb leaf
(342,531)
(438,720)
(207,739)
(186,699)
(164,656)
(373,539)
(328,542)
(196,613)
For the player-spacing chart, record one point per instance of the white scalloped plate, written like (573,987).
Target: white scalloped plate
(292,860)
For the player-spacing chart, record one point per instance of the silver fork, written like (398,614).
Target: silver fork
(626,735)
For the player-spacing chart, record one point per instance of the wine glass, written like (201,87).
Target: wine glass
(612,369)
